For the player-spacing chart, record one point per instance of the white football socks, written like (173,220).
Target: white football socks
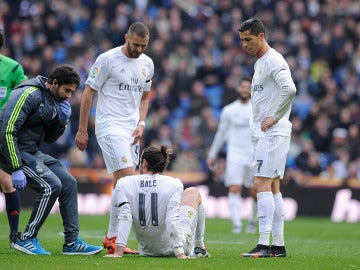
(266,206)
(114,212)
(278,221)
(200,227)
(234,207)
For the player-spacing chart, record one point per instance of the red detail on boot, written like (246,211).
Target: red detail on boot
(14,213)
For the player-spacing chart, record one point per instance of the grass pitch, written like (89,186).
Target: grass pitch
(312,243)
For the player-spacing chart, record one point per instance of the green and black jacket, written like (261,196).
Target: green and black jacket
(30,117)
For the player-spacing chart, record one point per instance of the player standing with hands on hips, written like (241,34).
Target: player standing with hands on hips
(11,75)
(37,112)
(122,79)
(273,91)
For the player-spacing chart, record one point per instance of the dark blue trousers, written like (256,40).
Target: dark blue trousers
(51,181)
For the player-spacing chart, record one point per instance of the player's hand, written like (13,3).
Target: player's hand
(81,139)
(119,251)
(138,133)
(65,112)
(18,179)
(182,256)
(267,122)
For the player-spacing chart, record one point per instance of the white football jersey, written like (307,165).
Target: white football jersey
(120,82)
(154,201)
(234,129)
(271,81)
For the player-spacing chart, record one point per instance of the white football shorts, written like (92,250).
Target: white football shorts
(270,156)
(119,152)
(239,174)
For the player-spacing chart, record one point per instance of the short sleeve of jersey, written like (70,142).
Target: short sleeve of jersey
(99,72)
(19,76)
(149,76)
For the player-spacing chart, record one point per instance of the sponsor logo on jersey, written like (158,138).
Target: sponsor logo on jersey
(257,87)
(129,87)
(134,85)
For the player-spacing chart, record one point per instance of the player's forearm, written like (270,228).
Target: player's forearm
(172,225)
(124,226)
(287,94)
(216,144)
(85,106)
(286,99)
(220,137)
(144,107)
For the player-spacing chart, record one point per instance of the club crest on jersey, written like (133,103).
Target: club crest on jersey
(143,72)
(94,72)
(190,214)
(123,159)
(261,69)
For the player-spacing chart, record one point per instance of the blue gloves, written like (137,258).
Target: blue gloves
(19,179)
(65,112)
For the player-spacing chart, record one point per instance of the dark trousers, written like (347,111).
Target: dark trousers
(51,181)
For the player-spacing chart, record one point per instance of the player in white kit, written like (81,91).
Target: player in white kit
(167,220)
(121,77)
(273,91)
(234,130)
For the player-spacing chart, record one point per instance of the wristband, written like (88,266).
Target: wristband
(141,123)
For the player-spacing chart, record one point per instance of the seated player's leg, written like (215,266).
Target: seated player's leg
(192,215)
(115,148)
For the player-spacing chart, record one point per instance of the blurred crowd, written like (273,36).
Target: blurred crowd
(198,63)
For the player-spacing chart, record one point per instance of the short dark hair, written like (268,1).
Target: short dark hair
(64,74)
(157,158)
(254,25)
(139,29)
(2,38)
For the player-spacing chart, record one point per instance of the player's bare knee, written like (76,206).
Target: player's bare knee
(262,184)
(191,191)
(191,196)
(6,182)
(7,188)
(235,188)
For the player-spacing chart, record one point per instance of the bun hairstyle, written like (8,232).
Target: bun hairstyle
(157,158)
